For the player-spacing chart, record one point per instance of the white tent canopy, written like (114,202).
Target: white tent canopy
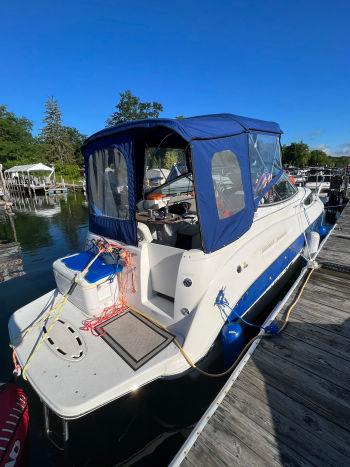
(30,168)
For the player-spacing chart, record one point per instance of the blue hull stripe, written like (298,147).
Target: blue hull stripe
(260,286)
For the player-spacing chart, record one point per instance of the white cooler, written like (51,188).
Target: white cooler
(96,291)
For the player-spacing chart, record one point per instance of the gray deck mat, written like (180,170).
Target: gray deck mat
(134,338)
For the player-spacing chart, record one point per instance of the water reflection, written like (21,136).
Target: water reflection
(11,261)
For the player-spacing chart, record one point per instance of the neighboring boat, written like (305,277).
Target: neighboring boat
(160,260)
(319,183)
(298,176)
(14,419)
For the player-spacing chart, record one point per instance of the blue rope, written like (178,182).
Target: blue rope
(222,303)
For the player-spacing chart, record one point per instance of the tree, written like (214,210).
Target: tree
(318,158)
(130,107)
(17,145)
(296,154)
(170,158)
(54,135)
(76,139)
(340,161)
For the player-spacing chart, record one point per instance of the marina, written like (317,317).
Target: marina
(175,234)
(287,402)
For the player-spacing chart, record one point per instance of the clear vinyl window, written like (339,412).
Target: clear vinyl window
(227,181)
(282,191)
(108,184)
(265,160)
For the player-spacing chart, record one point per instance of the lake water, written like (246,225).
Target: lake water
(145,428)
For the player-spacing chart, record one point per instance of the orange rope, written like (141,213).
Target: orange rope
(109,312)
(17,367)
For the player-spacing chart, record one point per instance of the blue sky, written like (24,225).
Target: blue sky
(287,61)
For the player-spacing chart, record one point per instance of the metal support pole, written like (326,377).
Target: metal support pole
(49,434)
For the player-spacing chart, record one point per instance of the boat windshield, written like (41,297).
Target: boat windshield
(163,165)
(181,185)
(265,160)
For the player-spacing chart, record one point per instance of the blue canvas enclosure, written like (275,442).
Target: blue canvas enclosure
(109,169)
(234,159)
(227,221)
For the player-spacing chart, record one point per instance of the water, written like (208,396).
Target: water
(145,428)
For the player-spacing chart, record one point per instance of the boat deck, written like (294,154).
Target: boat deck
(289,403)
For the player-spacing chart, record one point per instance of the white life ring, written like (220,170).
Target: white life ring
(143,233)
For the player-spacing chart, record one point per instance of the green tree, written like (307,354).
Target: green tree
(296,154)
(341,161)
(76,139)
(170,159)
(318,158)
(130,107)
(54,136)
(17,145)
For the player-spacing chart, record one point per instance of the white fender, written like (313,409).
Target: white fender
(143,233)
(311,247)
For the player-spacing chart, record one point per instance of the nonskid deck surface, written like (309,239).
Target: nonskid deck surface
(73,371)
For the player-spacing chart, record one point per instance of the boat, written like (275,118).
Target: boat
(14,418)
(319,183)
(165,268)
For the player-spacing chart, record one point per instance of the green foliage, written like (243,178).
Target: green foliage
(318,158)
(69,172)
(341,161)
(164,158)
(300,155)
(170,159)
(58,145)
(130,107)
(296,154)
(17,145)
(76,139)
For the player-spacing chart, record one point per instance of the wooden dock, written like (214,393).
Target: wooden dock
(288,402)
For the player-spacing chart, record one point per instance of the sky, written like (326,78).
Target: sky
(286,61)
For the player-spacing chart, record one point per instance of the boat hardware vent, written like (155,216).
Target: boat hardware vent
(65,340)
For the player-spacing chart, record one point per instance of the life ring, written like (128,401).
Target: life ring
(143,233)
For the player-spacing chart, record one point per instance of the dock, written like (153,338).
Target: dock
(288,400)
(11,261)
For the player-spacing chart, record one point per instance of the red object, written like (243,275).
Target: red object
(292,179)
(108,313)
(14,419)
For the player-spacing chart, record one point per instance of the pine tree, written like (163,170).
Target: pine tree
(54,134)
(130,107)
